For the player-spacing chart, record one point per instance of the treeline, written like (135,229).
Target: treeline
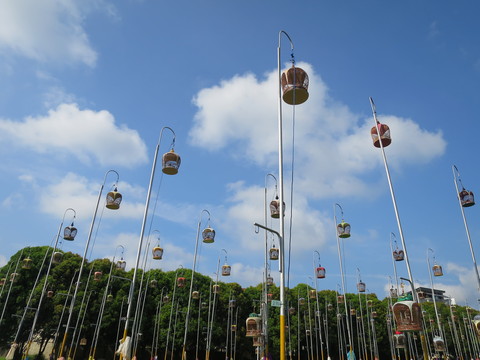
(309,315)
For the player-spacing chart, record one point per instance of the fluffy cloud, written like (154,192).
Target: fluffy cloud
(77,192)
(329,138)
(85,134)
(50,30)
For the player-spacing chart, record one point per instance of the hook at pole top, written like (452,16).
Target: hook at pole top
(315,251)
(341,209)
(288,37)
(108,172)
(372,104)
(161,133)
(456,175)
(70,209)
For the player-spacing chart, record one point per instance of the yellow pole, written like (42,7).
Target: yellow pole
(63,343)
(424,345)
(282,337)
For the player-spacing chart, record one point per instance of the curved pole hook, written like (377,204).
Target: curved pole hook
(341,210)
(106,174)
(161,133)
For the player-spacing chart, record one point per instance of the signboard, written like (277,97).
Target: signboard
(276,303)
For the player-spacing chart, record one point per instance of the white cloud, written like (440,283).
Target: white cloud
(333,150)
(77,192)
(49,30)
(86,134)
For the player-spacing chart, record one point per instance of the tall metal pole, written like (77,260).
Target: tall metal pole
(456,180)
(27,306)
(342,275)
(140,241)
(37,312)
(187,316)
(281,206)
(265,292)
(171,312)
(397,216)
(440,330)
(90,232)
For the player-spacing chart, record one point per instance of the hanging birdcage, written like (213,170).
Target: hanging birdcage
(312,294)
(233,327)
(258,341)
(398,255)
(121,265)
(166,299)
(361,287)
(393,293)
(343,230)
(114,198)
(291,310)
(253,325)
(476,324)
(353,312)
(370,303)
(384,131)
(232,303)
(301,301)
(97,276)
(408,315)
(274,253)
(109,298)
(83,341)
(421,295)
(208,235)
(57,257)
(181,281)
(157,252)
(216,289)
(437,270)
(320,272)
(195,295)
(269,280)
(153,284)
(269,297)
(340,299)
(27,263)
(467,198)
(14,277)
(275,208)
(226,269)
(170,162)
(374,314)
(294,86)
(330,307)
(3,281)
(438,343)
(69,232)
(50,294)
(399,341)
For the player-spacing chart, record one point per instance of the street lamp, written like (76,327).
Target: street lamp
(112,202)
(208,235)
(170,165)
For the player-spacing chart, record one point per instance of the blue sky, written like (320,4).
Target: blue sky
(88,85)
